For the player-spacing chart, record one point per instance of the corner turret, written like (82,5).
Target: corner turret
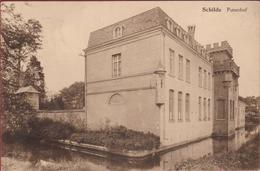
(223,48)
(226,74)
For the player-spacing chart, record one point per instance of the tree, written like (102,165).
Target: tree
(20,40)
(74,96)
(34,76)
(55,103)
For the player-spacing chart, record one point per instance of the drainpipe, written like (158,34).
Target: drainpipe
(160,89)
(86,113)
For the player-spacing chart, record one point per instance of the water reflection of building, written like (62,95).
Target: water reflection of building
(203,148)
(231,143)
(192,151)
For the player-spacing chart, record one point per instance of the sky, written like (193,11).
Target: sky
(67,25)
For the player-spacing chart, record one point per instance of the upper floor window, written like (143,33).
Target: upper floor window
(205,79)
(118,32)
(180,73)
(116,65)
(200,77)
(187,70)
(172,68)
(209,81)
(171,105)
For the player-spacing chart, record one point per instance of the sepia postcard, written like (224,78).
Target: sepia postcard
(130,86)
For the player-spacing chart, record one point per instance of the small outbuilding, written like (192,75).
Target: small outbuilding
(31,95)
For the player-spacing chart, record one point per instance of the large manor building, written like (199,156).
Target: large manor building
(147,73)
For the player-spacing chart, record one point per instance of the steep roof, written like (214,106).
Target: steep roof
(143,21)
(28,89)
(148,19)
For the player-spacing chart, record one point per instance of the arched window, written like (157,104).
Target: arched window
(169,24)
(116,99)
(118,32)
(177,31)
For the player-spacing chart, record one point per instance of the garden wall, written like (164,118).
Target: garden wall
(75,117)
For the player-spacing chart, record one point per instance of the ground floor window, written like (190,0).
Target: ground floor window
(199,108)
(187,106)
(180,106)
(205,109)
(171,105)
(209,113)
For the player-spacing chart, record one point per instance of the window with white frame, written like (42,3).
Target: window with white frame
(172,68)
(180,68)
(179,106)
(187,70)
(171,105)
(187,106)
(116,65)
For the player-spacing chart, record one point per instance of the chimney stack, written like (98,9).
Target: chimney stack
(191,30)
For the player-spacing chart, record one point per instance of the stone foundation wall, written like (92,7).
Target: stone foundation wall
(75,117)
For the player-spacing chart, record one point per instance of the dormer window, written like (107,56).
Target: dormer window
(178,32)
(182,36)
(169,24)
(118,32)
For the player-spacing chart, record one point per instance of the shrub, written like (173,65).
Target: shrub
(118,138)
(47,128)
(251,122)
(17,115)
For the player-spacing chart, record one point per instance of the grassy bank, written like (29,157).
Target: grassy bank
(14,164)
(117,138)
(246,158)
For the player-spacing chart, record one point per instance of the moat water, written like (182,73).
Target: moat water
(36,152)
